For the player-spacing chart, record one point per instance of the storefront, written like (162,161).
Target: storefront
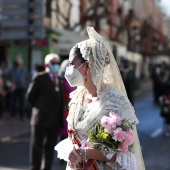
(40,48)
(56,41)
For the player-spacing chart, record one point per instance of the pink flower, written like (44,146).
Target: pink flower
(119,135)
(105,121)
(113,114)
(112,122)
(123,147)
(115,119)
(128,140)
(109,129)
(130,132)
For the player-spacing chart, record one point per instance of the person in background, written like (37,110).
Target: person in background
(67,90)
(37,68)
(18,80)
(45,95)
(164,102)
(156,76)
(2,94)
(129,81)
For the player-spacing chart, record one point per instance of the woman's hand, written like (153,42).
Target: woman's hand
(73,166)
(74,156)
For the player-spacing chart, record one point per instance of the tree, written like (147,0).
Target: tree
(63,16)
(92,11)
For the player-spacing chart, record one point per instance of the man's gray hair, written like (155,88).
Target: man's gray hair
(51,56)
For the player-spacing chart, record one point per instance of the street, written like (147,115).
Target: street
(14,155)
(155,147)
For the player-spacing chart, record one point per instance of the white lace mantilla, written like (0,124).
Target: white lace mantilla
(103,67)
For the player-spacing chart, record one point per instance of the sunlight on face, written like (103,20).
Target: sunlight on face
(73,60)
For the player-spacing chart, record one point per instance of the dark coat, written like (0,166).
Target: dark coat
(46,101)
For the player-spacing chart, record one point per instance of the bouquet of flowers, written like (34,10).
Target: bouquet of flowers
(165,104)
(112,134)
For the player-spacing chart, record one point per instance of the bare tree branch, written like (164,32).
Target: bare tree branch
(61,15)
(92,14)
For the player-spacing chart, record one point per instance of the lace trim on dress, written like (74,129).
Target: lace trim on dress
(124,161)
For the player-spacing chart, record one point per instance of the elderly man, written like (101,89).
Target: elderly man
(18,80)
(45,94)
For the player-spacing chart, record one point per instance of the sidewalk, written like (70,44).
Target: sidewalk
(10,128)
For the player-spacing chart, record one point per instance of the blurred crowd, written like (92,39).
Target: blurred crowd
(13,85)
(160,74)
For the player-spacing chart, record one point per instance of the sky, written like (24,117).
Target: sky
(166,6)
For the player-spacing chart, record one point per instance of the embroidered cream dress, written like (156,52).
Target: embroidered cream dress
(111,96)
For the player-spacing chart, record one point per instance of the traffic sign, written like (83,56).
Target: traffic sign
(14,23)
(12,34)
(18,2)
(11,23)
(12,12)
(22,19)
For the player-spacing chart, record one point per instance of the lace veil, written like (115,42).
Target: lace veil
(103,67)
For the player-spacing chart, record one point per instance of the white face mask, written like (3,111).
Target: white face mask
(74,77)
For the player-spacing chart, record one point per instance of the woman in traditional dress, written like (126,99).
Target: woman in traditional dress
(100,90)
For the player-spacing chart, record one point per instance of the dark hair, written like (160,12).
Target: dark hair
(77,53)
